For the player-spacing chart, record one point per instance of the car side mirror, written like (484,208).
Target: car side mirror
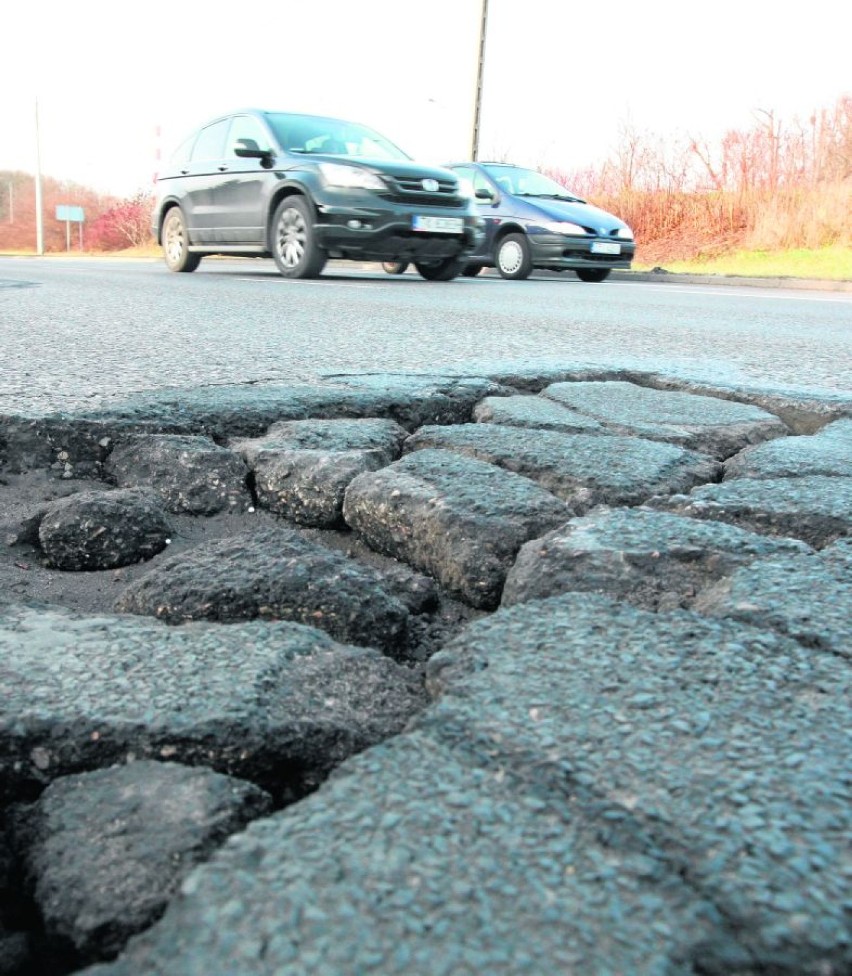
(249,149)
(486,195)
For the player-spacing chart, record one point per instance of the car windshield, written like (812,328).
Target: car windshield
(528,183)
(312,134)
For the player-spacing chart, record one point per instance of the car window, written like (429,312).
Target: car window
(505,183)
(314,134)
(466,175)
(245,127)
(324,142)
(527,182)
(368,146)
(211,142)
(183,152)
(480,182)
(472,179)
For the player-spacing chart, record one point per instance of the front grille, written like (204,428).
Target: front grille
(409,189)
(583,253)
(414,184)
(595,232)
(597,258)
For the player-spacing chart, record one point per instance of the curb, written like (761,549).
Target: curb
(667,277)
(671,277)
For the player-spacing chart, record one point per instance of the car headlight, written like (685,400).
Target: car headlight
(339,174)
(563,227)
(625,233)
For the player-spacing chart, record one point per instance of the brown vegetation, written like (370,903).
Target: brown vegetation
(109,223)
(776,186)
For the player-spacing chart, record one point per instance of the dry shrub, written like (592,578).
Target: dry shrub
(684,226)
(781,184)
(710,224)
(811,217)
(680,226)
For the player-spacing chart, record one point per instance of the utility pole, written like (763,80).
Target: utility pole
(480,67)
(39,216)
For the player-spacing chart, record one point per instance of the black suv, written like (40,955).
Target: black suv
(302,189)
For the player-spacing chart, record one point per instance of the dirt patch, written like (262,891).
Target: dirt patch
(24,577)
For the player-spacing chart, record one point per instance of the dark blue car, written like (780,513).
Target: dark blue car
(531,221)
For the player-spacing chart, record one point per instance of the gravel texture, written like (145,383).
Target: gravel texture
(456,518)
(278,704)
(814,508)
(105,851)
(275,574)
(651,559)
(582,469)
(190,474)
(705,424)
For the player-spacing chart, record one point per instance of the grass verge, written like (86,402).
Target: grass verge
(830,263)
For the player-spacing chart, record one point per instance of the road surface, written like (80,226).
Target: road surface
(79,332)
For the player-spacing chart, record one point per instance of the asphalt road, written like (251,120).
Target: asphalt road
(80,331)
(596,787)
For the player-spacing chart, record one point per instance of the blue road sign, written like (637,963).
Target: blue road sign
(74,214)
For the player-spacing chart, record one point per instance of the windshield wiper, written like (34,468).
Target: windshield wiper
(553,196)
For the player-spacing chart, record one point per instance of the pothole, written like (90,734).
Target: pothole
(333,541)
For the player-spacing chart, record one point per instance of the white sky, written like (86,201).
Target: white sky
(562,77)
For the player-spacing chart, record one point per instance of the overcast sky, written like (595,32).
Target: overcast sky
(562,78)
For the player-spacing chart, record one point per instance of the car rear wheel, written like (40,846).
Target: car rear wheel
(513,257)
(444,270)
(293,245)
(395,267)
(472,270)
(592,274)
(176,251)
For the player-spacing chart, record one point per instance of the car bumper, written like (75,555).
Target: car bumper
(376,234)
(570,252)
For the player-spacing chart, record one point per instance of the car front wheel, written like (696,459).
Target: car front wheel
(592,274)
(293,245)
(444,270)
(176,251)
(513,257)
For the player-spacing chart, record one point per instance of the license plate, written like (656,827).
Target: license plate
(605,247)
(438,225)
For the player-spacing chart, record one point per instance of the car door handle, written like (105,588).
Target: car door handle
(222,169)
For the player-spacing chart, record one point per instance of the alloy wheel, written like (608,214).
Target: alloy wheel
(175,240)
(292,237)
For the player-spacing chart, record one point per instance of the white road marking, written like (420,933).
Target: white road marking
(731,291)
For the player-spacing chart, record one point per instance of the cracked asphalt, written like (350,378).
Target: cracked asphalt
(636,764)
